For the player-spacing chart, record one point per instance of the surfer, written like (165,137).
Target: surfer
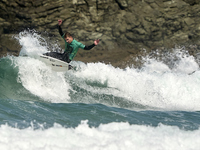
(71,46)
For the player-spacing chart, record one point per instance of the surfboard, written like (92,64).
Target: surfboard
(55,64)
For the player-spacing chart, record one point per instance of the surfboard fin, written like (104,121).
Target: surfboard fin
(70,67)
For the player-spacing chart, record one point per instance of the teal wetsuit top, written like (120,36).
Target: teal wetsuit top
(73,47)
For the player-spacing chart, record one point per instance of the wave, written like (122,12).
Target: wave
(159,84)
(106,136)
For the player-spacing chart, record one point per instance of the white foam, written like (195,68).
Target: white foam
(41,81)
(155,85)
(158,84)
(34,75)
(117,136)
(32,43)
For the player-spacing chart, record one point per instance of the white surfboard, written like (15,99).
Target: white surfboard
(55,64)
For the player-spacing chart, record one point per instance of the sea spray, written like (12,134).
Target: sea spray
(159,84)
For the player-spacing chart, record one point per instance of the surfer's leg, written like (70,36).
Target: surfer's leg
(65,57)
(54,55)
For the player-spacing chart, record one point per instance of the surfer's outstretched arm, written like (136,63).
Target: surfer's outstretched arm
(59,27)
(91,46)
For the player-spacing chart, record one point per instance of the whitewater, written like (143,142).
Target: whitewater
(96,105)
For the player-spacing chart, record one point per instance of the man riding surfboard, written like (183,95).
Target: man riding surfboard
(71,46)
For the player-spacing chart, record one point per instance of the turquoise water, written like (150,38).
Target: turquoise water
(98,106)
(23,114)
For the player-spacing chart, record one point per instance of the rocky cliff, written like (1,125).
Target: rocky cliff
(125,27)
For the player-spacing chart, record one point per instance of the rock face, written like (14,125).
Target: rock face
(124,26)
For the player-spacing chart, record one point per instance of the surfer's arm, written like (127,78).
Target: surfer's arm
(60,30)
(89,47)
(96,42)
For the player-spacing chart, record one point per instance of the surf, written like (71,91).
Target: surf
(106,136)
(158,84)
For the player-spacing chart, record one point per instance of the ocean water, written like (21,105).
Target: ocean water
(97,106)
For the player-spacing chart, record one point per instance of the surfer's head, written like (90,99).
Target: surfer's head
(68,37)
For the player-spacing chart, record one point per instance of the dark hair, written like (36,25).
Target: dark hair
(67,34)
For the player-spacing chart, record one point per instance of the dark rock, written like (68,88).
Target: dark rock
(192,2)
(124,26)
